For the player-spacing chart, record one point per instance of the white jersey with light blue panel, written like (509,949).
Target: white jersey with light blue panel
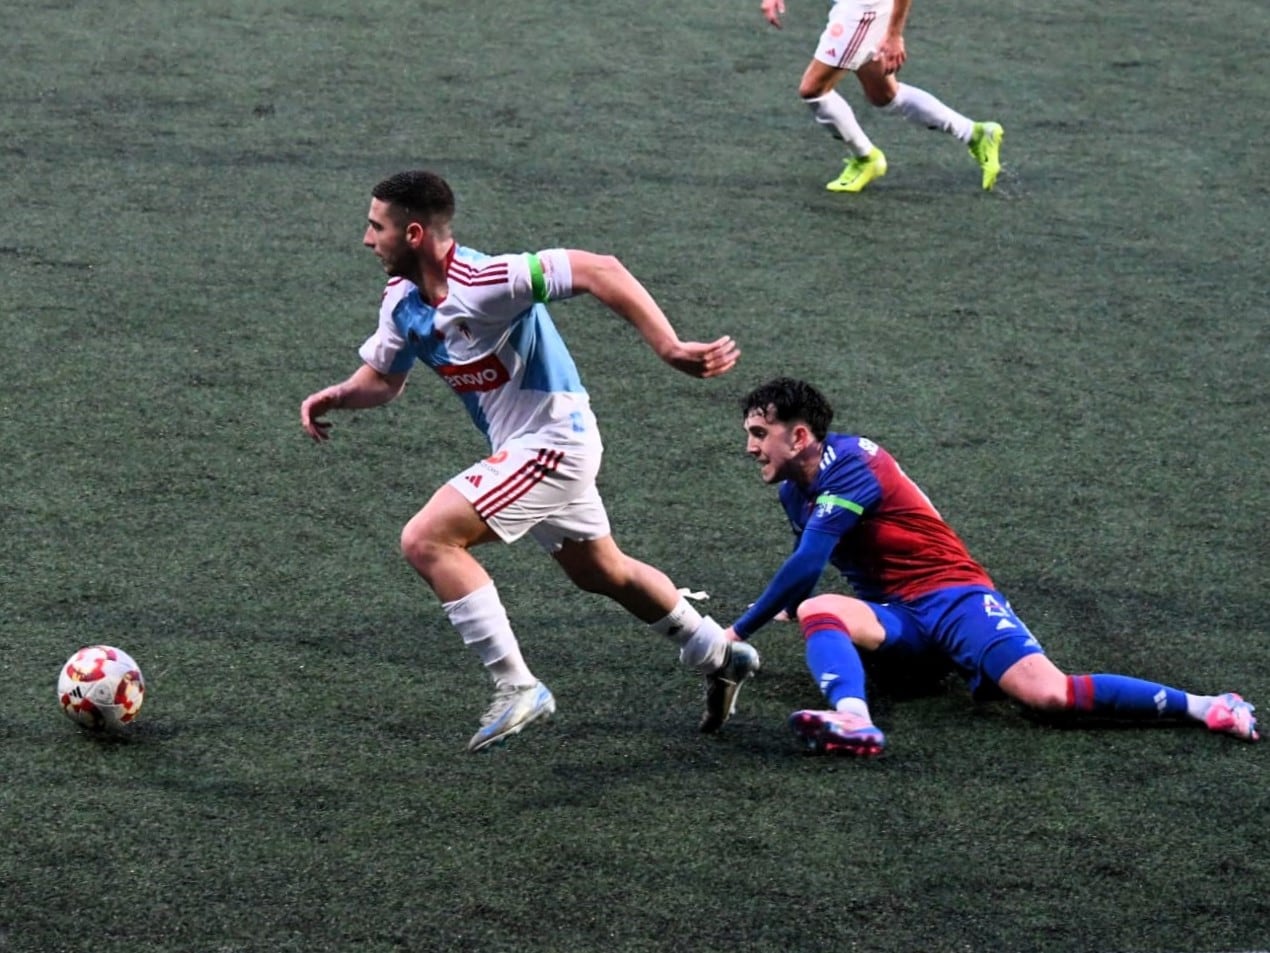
(493,343)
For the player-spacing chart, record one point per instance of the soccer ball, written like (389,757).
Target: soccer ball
(101,687)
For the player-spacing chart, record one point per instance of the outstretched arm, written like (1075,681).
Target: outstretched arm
(366,387)
(608,280)
(773,10)
(793,582)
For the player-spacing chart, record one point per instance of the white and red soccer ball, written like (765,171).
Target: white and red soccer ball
(101,686)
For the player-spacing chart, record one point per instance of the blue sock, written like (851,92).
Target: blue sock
(1124,696)
(833,659)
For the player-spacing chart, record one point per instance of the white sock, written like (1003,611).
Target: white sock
(482,622)
(834,113)
(700,639)
(679,624)
(920,107)
(855,706)
(707,649)
(1197,705)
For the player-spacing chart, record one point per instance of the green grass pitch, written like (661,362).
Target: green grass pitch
(1074,367)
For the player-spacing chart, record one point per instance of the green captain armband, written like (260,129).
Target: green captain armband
(537,279)
(829,502)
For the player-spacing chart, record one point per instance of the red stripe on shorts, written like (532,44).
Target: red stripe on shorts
(853,45)
(518,484)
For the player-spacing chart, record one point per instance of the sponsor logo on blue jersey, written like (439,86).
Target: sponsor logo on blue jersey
(486,374)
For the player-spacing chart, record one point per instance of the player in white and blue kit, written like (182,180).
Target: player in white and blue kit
(866,37)
(480,322)
(493,342)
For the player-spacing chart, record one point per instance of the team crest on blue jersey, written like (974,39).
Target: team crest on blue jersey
(993,609)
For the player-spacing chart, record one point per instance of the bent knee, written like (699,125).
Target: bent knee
(1036,682)
(417,544)
(817,83)
(1044,698)
(857,618)
(412,546)
(881,98)
(822,605)
(879,88)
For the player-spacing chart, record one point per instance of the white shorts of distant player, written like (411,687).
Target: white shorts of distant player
(854,32)
(541,486)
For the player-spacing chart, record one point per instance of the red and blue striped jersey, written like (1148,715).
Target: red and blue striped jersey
(892,542)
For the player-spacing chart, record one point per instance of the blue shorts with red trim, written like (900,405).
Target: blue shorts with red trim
(973,627)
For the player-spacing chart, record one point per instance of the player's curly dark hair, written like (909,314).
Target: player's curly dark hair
(786,400)
(418,195)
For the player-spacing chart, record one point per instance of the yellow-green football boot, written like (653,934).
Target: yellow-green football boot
(985,146)
(859,171)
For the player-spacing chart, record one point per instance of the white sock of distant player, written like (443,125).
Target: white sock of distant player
(482,622)
(834,113)
(920,107)
(700,639)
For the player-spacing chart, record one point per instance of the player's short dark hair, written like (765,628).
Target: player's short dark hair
(417,195)
(787,400)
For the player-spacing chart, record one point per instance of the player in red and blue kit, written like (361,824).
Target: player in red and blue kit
(919,594)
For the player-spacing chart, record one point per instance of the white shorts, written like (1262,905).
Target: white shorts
(854,33)
(536,486)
